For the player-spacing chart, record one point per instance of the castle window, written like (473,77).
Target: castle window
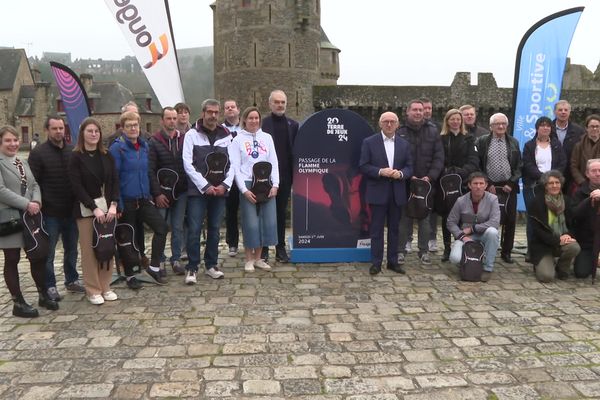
(148,127)
(25,134)
(59,106)
(246,3)
(333,58)
(149,105)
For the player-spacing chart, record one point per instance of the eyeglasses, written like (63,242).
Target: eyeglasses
(500,124)
(389,122)
(131,126)
(594,127)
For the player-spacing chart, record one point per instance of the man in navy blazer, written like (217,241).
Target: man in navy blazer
(386,162)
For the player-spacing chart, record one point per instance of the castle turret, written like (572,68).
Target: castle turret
(261,45)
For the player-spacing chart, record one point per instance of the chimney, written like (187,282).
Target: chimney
(87,80)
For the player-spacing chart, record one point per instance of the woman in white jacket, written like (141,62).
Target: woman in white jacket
(259,222)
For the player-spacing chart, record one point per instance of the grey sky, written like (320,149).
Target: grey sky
(383,42)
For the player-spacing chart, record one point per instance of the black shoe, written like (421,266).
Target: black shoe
(507,258)
(264,254)
(24,310)
(46,302)
(396,268)
(563,276)
(155,275)
(281,255)
(374,270)
(446,256)
(53,294)
(133,283)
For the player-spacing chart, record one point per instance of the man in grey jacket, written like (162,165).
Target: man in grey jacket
(476,216)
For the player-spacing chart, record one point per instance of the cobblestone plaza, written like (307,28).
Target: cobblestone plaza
(319,332)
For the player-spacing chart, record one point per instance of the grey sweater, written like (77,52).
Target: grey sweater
(462,214)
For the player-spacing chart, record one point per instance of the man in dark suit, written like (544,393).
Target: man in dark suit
(283,130)
(568,133)
(386,162)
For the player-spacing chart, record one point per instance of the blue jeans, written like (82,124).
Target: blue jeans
(490,241)
(175,217)
(259,230)
(199,207)
(66,228)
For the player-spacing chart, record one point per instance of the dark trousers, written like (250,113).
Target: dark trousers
(232,206)
(281,201)
(507,239)
(11,272)
(144,212)
(446,234)
(379,214)
(584,263)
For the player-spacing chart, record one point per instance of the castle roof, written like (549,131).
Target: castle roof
(325,43)
(10,59)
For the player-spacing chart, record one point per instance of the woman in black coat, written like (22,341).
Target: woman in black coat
(550,219)
(95,182)
(541,154)
(460,158)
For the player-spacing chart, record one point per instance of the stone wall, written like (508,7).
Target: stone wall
(371,101)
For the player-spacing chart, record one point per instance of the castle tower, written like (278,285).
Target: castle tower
(261,45)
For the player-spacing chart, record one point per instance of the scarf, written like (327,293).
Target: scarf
(556,207)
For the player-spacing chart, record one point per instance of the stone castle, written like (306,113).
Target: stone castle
(260,45)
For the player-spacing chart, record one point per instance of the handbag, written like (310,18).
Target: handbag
(35,237)
(100,203)
(11,226)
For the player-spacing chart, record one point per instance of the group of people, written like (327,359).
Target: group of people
(189,173)
(173,180)
(473,179)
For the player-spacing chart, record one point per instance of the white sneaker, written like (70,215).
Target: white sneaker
(96,299)
(408,247)
(190,278)
(432,245)
(233,251)
(214,273)
(262,265)
(249,266)
(110,296)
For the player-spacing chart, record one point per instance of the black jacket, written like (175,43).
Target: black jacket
(87,186)
(166,153)
(573,136)
(426,148)
(460,154)
(544,240)
(514,157)
(531,173)
(49,164)
(286,169)
(584,216)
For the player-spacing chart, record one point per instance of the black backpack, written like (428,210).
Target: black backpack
(471,262)
(168,179)
(419,202)
(103,241)
(35,237)
(451,187)
(217,165)
(261,181)
(129,254)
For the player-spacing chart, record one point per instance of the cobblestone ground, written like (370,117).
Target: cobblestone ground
(326,332)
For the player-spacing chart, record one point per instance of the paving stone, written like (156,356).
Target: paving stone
(87,391)
(175,389)
(221,389)
(261,387)
(436,381)
(588,389)
(41,392)
(450,394)
(303,372)
(490,378)
(556,390)
(516,393)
